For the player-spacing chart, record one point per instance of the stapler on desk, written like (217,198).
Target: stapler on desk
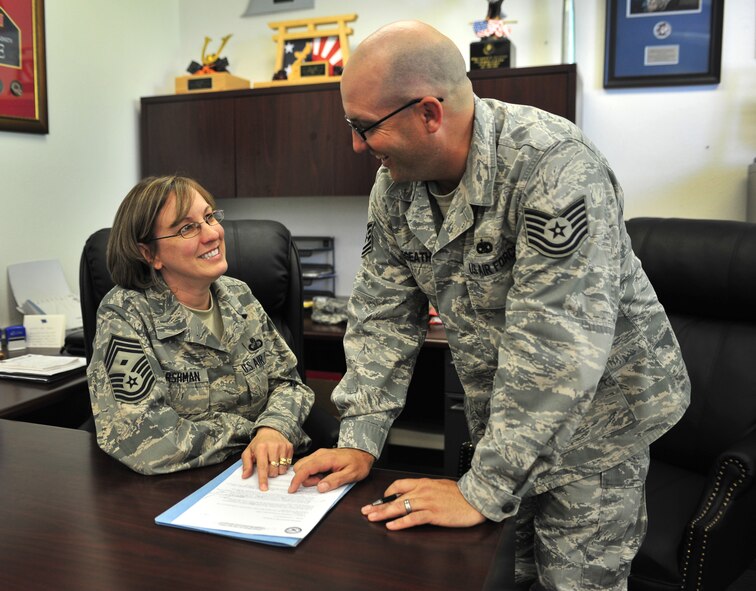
(74,343)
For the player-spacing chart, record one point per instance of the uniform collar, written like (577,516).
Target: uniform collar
(171,318)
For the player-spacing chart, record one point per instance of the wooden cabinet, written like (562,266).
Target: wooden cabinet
(293,141)
(551,88)
(190,137)
(296,143)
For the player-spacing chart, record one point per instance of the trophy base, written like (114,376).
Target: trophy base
(209,83)
(488,54)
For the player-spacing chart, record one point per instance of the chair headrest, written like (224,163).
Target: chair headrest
(93,262)
(259,253)
(699,267)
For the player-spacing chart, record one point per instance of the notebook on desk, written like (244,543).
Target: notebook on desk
(41,368)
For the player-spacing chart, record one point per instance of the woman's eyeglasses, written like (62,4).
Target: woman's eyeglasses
(192,229)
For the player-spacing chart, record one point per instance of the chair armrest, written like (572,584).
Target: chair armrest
(742,452)
(322,427)
(721,531)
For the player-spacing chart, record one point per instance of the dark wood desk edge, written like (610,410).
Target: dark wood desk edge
(49,394)
(435,337)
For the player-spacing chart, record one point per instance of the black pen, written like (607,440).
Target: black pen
(387,499)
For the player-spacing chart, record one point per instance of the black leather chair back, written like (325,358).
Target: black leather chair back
(259,252)
(704,273)
(701,486)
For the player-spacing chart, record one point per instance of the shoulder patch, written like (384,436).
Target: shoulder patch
(368,247)
(129,371)
(560,235)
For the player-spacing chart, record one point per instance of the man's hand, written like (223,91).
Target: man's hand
(438,502)
(344,465)
(272,453)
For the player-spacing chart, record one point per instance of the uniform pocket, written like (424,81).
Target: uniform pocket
(188,392)
(609,412)
(488,300)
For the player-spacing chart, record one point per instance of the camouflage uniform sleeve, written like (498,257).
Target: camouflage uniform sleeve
(557,334)
(145,432)
(387,318)
(289,400)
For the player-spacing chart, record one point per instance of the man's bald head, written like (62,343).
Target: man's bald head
(410,59)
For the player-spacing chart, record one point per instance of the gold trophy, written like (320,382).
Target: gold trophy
(211,75)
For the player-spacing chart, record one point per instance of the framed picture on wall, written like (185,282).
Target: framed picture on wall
(23,80)
(663,42)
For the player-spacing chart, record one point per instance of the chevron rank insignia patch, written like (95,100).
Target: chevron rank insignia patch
(368,246)
(129,371)
(557,236)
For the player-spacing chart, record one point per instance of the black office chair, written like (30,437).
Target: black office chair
(700,492)
(259,252)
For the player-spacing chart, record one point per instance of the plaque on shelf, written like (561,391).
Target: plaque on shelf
(494,48)
(493,53)
(211,75)
(210,83)
(310,51)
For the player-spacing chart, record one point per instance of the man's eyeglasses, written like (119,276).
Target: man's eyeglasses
(191,229)
(361,131)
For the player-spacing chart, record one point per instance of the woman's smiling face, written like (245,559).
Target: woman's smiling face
(189,265)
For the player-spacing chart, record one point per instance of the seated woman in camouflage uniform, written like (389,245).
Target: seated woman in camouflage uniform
(187,367)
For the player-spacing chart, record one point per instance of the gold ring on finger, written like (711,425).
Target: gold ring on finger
(274,463)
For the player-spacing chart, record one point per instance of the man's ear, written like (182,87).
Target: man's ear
(432,112)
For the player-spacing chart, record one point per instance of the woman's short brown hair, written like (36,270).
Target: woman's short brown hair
(134,223)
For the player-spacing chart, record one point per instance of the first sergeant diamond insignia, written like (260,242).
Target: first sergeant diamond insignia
(557,236)
(129,370)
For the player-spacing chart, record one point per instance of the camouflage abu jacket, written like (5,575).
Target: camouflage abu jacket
(166,395)
(567,359)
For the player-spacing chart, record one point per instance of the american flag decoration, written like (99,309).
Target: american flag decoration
(322,49)
(310,50)
(291,50)
(492,28)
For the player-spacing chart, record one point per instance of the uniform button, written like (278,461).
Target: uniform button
(508,508)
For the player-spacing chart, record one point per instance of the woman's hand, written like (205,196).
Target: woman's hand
(272,453)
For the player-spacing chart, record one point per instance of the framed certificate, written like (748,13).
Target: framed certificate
(663,42)
(23,85)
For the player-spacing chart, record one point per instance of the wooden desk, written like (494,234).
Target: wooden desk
(63,403)
(73,518)
(435,338)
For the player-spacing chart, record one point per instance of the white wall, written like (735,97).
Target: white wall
(56,189)
(677,151)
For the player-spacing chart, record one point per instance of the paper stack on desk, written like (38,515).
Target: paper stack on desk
(41,368)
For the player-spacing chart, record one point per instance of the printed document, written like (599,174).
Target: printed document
(230,506)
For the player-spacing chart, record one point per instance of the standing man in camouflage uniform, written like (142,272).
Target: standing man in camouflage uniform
(187,367)
(509,222)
